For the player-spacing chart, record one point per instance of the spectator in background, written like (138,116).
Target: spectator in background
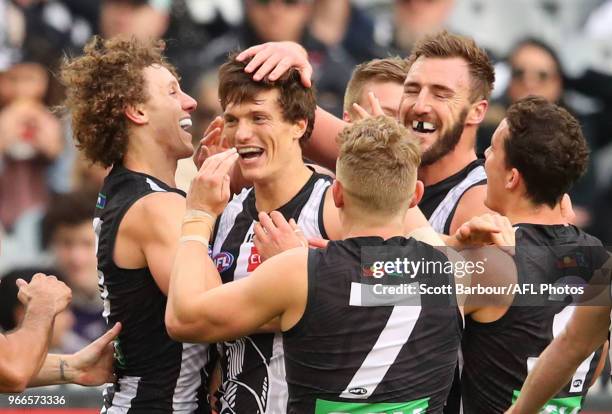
(409,21)
(12,311)
(536,70)
(136,17)
(338,23)
(30,140)
(87,176)
(290,19)
(384,78)
(68,234)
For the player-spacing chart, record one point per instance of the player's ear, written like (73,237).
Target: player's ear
(136,114)
(338,194)
(513,179)
(299,128)
(419,189)
(346,117)
(477,112)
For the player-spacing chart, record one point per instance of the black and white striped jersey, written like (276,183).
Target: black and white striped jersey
(357,352)
(253,367)
(440,200)
(154,373)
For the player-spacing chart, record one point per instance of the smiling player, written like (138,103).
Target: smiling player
(128,112)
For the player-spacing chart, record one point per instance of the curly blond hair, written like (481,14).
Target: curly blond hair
(100,85)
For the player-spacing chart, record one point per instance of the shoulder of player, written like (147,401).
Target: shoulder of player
(471,204)
(154,213)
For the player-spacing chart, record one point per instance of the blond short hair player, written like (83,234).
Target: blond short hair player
(315,293)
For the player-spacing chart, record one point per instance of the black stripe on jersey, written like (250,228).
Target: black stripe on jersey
(321,211)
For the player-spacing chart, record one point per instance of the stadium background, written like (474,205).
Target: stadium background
(42,177)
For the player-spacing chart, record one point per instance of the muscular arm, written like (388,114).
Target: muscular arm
(199,310)
(92,365)
(17,366)
(322,147)
(149,233)
(585,332)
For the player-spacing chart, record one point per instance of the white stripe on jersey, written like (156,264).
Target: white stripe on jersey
(189,380)
(277,396)
(440,215)
(228,217)
(122,401)
(154,186)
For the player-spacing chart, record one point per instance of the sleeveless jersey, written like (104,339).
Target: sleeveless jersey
(498,355)
(350,355)
(154,373)
(253,370)
(440,200)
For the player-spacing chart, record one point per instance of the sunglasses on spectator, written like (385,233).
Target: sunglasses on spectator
(286,2)
(541,75)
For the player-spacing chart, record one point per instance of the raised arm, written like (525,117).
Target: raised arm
(199,309)
(23,352)
(275,58)
(585,332)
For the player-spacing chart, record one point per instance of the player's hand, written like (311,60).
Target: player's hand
(210,189)
(317,243)
(93,365)
(274,235)
(375,106)
(45,291)
(273,59)
(212,143)
(487,229)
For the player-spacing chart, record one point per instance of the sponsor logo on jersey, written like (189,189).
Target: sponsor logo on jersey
(223,261)
(254,260)
(101,201)
(358,391)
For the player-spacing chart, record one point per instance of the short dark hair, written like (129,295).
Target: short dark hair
(296,101)
(70,209)
(546,146)
(9,290)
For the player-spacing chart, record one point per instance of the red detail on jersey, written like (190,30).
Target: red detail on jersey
(254,260)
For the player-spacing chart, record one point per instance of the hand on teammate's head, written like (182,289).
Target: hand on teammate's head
(45,291)
(274,234)
(210,189)
(273,59)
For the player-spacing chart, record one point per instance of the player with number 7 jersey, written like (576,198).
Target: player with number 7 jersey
(354,340)
(358,350)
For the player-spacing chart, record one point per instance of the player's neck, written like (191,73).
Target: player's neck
(151,161)
(274,192)
(365,226)
(524,211)
(450,164)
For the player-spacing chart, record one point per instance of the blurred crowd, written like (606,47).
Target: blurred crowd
(558,49)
